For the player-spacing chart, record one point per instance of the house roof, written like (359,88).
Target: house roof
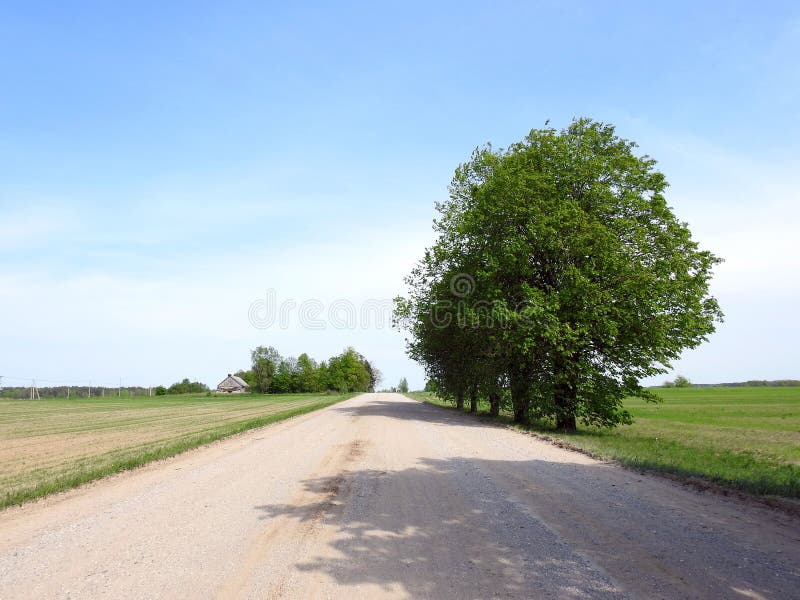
(233,379)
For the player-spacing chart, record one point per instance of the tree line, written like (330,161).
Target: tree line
(271,373)
(84,391)
(749,383)
(182,387)
(559,279)
(74,391)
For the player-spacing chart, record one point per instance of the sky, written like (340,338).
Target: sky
(174,175)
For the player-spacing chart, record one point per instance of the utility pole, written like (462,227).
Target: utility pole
(90,389)
(67,392)
(119,389)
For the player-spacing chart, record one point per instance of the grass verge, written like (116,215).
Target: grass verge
(744,439)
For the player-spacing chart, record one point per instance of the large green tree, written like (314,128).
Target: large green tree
(592,281)
(347,372)
(264,363)
(285,380)
(308,374)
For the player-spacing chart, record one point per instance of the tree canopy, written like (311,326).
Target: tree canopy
(275,374)
(561,275)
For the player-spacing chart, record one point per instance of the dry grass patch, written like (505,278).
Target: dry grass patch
(51,445)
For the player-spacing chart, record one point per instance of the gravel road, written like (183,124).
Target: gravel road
(381,496)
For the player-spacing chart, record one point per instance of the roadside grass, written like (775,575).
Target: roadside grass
(741,438)
(48,446)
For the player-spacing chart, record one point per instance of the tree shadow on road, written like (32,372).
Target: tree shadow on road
(441,530)
(451,528)
(413,411)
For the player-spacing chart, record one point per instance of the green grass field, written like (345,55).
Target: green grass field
(47,446)
(744,438)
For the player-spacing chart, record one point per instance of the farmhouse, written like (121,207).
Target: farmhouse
(233,385)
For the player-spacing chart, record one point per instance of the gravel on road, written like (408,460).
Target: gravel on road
(384,497)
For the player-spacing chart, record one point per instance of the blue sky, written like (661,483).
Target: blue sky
(164,167)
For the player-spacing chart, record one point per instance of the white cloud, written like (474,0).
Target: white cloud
(34,226)
(747,211)
(190,316)
(178,313)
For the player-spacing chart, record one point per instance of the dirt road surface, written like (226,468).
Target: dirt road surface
(381,496)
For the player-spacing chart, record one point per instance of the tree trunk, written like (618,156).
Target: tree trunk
(494,404)
(460,400)
(565,394)
(521,415)
(567,423)
(473,400)
(520,397)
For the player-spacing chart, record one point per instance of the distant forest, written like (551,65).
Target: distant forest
(77,391)
(84,391)
(753,383)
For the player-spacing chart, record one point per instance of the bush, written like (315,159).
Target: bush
(187,387)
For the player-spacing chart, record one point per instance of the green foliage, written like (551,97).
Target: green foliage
(161,391)
(308,374)
(348,373)
(264,363)
(403,386)
(186,387)
(581,280)
(275,374)
(285,379)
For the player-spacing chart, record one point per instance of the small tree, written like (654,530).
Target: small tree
(682,382)
(403,386)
